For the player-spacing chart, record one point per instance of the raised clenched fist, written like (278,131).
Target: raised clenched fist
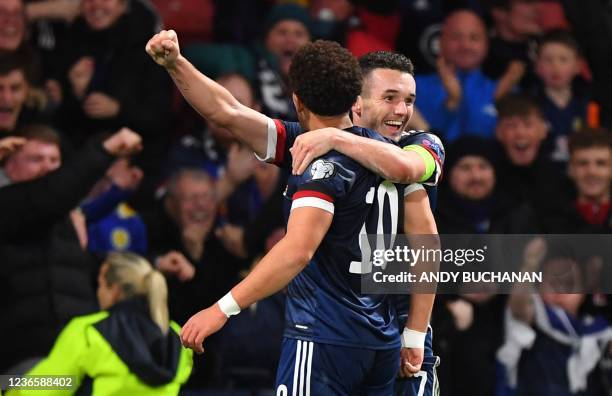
(164,48)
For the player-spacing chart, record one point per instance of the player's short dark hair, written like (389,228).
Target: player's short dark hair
(326,78)
(518,105)
(559,36)
(40,132)
(588,138)
(385,60)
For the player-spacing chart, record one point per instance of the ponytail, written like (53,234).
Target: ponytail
(137,277)
(157,295)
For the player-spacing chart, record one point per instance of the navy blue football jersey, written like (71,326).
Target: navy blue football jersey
(324,301)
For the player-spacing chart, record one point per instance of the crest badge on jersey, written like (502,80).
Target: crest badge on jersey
(435,144)
(120,238)
(321,169)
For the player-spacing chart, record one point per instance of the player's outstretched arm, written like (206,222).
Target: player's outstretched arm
(420,226)
(208,98)
(286,259)
(386,160)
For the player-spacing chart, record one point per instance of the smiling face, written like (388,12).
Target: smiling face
(464,40)
(521,137)
(12,24)
(192,202)
(472,178)
(102,14)
(13,92)
(386,102)
(591,170)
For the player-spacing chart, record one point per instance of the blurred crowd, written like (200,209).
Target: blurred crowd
(519,91)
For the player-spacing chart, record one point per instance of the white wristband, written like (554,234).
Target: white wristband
(228,305)
(413,339)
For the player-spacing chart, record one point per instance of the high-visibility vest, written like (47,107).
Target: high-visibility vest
(81,351)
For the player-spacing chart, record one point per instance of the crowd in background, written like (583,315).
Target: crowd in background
(519,91)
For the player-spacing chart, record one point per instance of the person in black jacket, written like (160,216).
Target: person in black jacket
(524,173)
(46,276)
(197,267)
(108,82)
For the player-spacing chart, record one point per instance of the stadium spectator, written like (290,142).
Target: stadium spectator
(108,82)
(197,267)
(516,23)
(130,346)
(524,173)
(419,36)
(15,108)
(563,101)
(591,22)
(286,29)
(37,157)
(184,228)
(48,23)
(471,202)
(112,224)
(47,277)
(16,39)
(460,99)
(590,169)
(13,30)
(233,166)
(551,346)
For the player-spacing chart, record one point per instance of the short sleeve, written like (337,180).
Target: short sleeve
(324,182)
(281,136)
(409,189)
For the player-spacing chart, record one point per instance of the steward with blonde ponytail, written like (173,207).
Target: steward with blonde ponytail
(129,348)
(136,277)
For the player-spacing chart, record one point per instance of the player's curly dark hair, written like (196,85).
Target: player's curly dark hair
(326,78)
(385,60)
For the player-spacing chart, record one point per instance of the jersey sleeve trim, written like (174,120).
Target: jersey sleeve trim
(313,202)
(409,189)
(277,136)
(312,198)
